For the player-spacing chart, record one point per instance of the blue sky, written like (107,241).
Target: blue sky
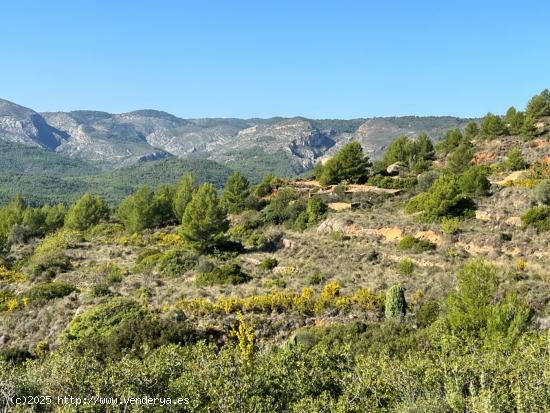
(321,59)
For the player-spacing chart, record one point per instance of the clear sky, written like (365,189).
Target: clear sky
(231,58)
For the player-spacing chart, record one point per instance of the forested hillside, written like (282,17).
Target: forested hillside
(414,282)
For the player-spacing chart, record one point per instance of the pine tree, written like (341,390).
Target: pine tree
(492,126)
(137,211)
(471,130)
(460,158)
(514,121)
(163,201)
(235,193)
(183,194)
(349,164)
(87,212)
(205,220)
(539,105)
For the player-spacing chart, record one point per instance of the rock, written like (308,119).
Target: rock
(333,224)
(397,168)
(288,243)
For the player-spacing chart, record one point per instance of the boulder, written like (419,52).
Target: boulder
(397,168)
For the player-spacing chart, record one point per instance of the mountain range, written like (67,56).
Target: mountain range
(285,145)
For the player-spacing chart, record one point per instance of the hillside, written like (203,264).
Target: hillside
(117,140)
(419,282)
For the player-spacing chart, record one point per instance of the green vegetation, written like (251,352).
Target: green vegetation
(405,267)
(539,105)
(235,193)
(418,245)
(227,274)
(515,160)
(349,164)
(86,212)
(492,126)
(541,192)
(204,220)
(285,304)
(416,154)
(396,306)
(538,217)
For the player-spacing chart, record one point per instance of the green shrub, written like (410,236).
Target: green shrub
(49,291)
(316,278)
(146,260)
(427,313)
(538,217)
(100,289)
(316,210)
(103,319)
(541,192)
(452,140)
(174,262)
(395,305)
(269,263)
(50,255)
(285,206)
(515,160)
(474,181)
(444,198)
(405,267)
(410,243)
(425,180)
(389,182)
(227,274)
(451,225)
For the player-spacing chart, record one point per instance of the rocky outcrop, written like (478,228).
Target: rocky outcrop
(115,140)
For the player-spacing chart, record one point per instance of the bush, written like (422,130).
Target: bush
(425,180)
(410,243)
(450,225)
(414,153)
(389,182)
(452,139)
(269,263)
(49,291)
(515,161)
(445,198)
(50,254)
(138,211)
(286,205)
(538,217)
(405,267)
(103,319)
(541,192)
(316,210)
(427,313)
(474,181)
(175,263)
(395,305)
(227,274)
